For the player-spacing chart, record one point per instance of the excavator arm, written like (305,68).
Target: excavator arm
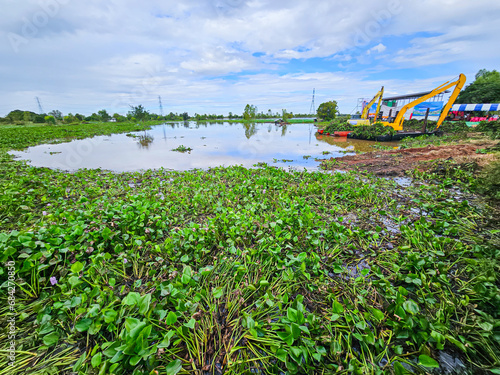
(459,83)
(366,110)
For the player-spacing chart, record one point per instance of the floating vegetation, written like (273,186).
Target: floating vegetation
(338,125)
(236,270)
(372,132)
(145,140)
(306,157)
(182,148)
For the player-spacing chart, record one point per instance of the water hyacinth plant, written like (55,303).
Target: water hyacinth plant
(236,270)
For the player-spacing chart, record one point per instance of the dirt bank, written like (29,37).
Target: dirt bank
(397,162)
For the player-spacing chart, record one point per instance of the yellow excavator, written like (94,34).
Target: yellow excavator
(397,124)
(364,120)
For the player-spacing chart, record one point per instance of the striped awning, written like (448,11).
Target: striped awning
(475,107)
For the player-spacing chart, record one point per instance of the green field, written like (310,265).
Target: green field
(236,270)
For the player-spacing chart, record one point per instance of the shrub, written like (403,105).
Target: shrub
(50,120)
(491,128)
(489,181)
(454,127)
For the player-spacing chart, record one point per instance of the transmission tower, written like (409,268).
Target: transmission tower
(161,106)
(39,105)
(312,110)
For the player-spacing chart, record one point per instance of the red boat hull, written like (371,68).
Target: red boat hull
(341,134)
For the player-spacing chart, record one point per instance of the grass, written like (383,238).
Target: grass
(236,270)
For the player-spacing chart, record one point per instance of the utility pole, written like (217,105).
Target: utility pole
(312,110)
(39,105)
(161,106)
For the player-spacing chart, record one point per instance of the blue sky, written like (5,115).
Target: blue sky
(216,56)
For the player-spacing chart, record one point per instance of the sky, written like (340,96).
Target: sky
(216,56)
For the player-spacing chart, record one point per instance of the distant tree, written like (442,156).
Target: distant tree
(79,117)
(50,120)
(119,118)
(94,117)
(249,112)
(485,88)
(139,112)
(57,114)
(172,116)
(27,117)
(185,116)
(104,115)
(16,115)
(286,115)
(328,110)
(39,119)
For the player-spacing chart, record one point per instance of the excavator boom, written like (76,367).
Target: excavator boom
(364,120)
(398,122)
(366,110)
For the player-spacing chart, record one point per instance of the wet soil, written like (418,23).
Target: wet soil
(397,162)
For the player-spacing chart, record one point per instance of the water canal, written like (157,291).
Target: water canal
(212,144)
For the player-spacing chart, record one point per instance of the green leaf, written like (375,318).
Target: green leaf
(51,339)
(74,281)
(361,325)
(79,363)
(190,324)
(411,307)
(427,361)
(399,369)
(291,314)
(174,367)
(171,318)
(264,283)
(296,352)
(286,337)
(281,354)
(77,267)
(96,360)
(135,360)
(131,299)
(335,317)
(218,292)
(295,331)
(110,316)
(83,325)
(379,315)
(486,326)
(337,307)
(134,328)
(144,302)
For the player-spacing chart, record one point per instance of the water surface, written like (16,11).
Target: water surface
(212,144)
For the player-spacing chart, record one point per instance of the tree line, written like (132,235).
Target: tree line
(136,113)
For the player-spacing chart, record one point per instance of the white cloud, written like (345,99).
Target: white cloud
(376,49)
(83,56)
